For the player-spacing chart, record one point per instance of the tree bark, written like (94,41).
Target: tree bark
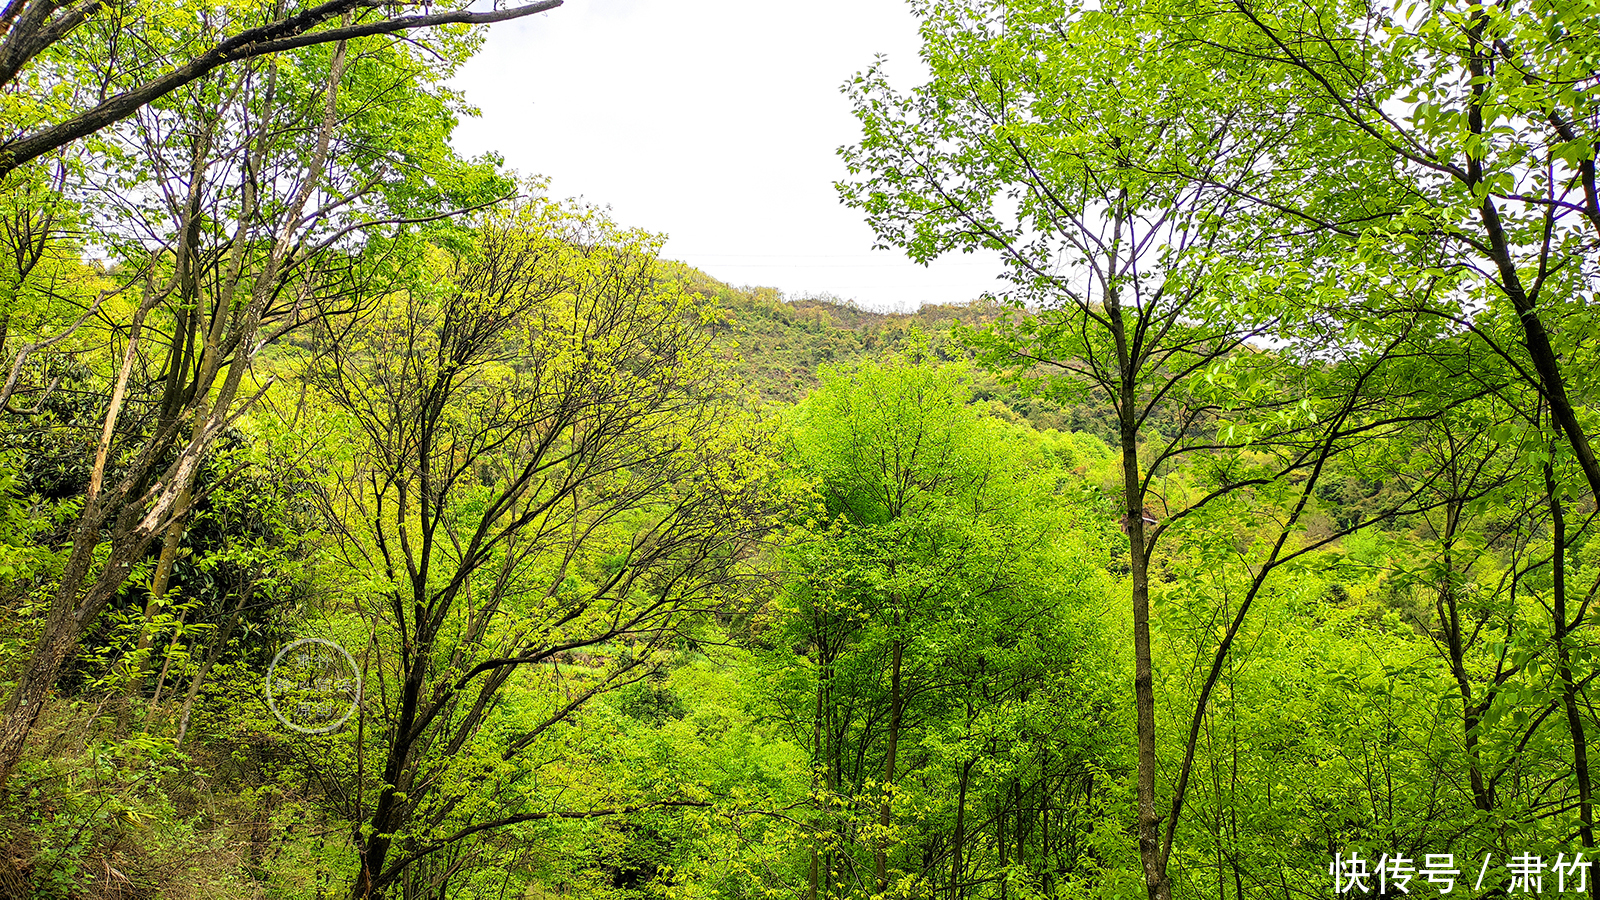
(161,499)
(1149,826)
(1569,686)
(218,644)
(895,712)
(1552,383)
(1000,839)
(388,815)
(72,608)
(138,663)
(820,762)
(956,892)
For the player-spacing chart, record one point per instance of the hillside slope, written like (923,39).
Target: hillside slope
(780,344)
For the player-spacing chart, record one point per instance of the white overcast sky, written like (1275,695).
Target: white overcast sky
(714,122)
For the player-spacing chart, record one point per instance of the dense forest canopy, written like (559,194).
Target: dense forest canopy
(374,524)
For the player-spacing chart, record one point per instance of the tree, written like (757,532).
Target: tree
(1466,136)
(545,463)
(942,596)
(45,43)
(281,204)
(1466,130)
(1050,132)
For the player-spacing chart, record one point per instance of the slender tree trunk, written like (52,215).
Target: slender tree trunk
(1472,712)
(213,653)
(819,752)
(166,659)
(1047,852)
(1569,687)
(1155,875)
(1546,363)
(50,654)
(138,664)
(1000,839)
(1022,824)
(895,713)
(956,892)
(1130,358)
(834,742)
(387,814)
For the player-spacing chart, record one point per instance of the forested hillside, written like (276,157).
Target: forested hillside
(781,346)
(375,524)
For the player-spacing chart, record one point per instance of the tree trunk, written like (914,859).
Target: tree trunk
(387,815)
(819,751)
(1569,687)
(1448,611)
(166,659)
(1546,364)
(213,652)
(1022,827)
(956,892)
(1000,839)
(1155,875)
(34,685)
(72,608)
(138,664)
(895,712)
